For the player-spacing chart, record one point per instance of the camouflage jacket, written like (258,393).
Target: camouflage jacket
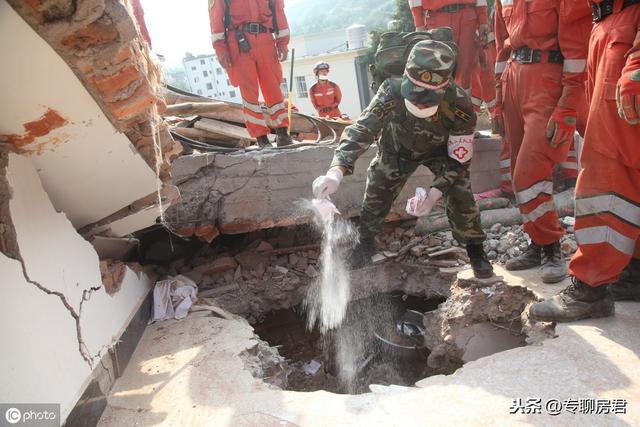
(401,131)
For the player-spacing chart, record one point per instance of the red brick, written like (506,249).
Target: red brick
(123,54)
(110,85)
(94,34)
(112,273)
(223,264)
(207,233)
(186,231)
(142,99)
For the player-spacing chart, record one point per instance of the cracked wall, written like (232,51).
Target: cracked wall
(58,320)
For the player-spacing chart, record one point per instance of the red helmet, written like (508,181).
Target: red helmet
(320,66)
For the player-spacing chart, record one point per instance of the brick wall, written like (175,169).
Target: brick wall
(101,42)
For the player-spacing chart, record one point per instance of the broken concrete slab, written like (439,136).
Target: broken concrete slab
(113,247)
(244,192)
(192,373)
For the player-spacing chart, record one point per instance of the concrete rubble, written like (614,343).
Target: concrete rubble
(250,249)
(195,372)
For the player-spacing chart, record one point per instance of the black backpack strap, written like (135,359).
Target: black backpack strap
(274,18)
(227,17)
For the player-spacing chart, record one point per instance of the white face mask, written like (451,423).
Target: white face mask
(323,77)
(421,113)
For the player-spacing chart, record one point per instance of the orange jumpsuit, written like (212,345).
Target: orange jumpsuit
(608,190)
(534,91)
(138,12)
(256,70)
(326,98)
(483,86)
(463,17)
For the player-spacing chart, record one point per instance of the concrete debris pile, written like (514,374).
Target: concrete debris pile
(474,315)
(217,126)
(506,242)
(266,274)
(267,270)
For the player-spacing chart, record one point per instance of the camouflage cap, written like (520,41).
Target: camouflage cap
(427,73)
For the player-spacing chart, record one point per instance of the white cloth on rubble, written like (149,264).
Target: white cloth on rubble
(173,297)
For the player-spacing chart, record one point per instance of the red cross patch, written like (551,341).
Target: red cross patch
(460,152)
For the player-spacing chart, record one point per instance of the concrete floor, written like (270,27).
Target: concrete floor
(188,373)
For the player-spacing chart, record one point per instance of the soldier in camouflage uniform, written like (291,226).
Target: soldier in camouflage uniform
(422,117)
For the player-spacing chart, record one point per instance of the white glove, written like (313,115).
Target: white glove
(326,185)
(422,203)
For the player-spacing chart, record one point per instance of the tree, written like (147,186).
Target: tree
(402,20)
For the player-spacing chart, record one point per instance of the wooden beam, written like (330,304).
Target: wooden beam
(206,136)
(218,127)
(193,108)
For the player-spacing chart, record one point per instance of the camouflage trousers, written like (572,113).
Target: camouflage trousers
(388,173)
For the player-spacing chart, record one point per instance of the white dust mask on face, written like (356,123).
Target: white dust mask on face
(323,77)
(421,113)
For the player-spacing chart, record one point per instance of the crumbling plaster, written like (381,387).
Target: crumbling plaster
(60,321)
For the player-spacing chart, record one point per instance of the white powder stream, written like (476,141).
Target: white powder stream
(328,296)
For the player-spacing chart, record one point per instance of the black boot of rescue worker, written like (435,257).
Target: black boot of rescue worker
(530,258)
(263,141)
(577,301)
(627,288)
(282,137)
(482,268)
(362,253)
(554,267)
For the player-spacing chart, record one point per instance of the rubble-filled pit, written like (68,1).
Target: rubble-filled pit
(381,341)
(264,276)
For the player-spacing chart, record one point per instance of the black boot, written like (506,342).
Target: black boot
(627,288)
(577,301)
(282,137)
(528,259)
(263,141)
(554,268)
(362,253)
(482,268)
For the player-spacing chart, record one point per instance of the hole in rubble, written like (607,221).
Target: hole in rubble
(381,341)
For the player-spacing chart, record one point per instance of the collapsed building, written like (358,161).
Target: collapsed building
(99,202)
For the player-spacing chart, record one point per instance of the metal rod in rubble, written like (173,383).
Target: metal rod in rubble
(289,108)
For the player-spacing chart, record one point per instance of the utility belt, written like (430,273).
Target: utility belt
(599,11)
(525,55)
(455,7)
(251,28)
(254,28)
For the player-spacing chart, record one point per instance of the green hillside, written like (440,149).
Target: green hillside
(314,16)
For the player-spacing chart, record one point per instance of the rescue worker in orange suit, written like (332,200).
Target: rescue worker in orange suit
(250,37)
(467,19)
(542,48)
(483,87)
(608,191)
(325,95)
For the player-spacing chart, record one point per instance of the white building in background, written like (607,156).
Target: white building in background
(345,51)
(206,77)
